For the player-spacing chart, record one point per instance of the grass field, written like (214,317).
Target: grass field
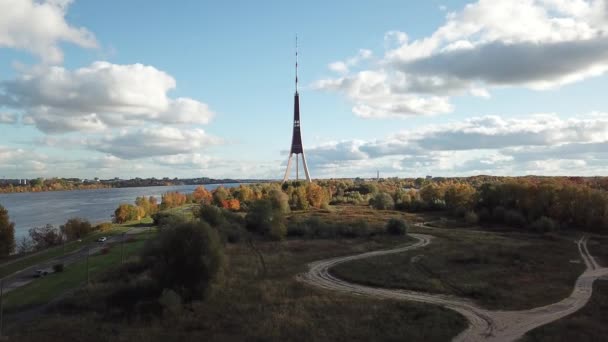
(597,246)
(12,266)
(588,324)
(499,271)
(46,289)
(272,307)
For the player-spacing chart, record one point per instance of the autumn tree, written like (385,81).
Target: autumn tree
(172,200)
(220,194)
(76,228)
(316,195)
(459,197)
(202,195)
(7,234)
(127,212)
(432,194)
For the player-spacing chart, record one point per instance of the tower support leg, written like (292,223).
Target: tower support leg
(305,167)
(288,168)
(297,168)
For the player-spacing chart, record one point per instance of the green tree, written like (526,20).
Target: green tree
(382,201)
(187,259)
(279,200)
(264,219)
(396,227)
(7,234)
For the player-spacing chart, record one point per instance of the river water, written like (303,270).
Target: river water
(35,209)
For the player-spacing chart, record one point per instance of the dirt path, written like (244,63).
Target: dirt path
(484,325)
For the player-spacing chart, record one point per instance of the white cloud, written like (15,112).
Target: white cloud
(377,97)
(39,27)
(8,118)
(153,141)
(343,67)
(491,144)
(99,96)
(537,44)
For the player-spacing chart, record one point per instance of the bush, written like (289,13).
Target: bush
(382,201)
(76,228)
(57,268)
(44,237)
(544,225)
(187,259)
(104,227)
(231,232)
(484,215)
(515,218)
(498,214)
(471,218)
(127,212)
(361,228)
(211,214)
(171,302)
(264,219)
(167,219)
(396,227)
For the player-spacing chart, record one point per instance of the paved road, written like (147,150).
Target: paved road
(484,325)
(26,275)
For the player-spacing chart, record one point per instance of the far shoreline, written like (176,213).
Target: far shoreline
(109,186)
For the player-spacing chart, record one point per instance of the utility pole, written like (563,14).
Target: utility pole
(122,249)
(1,305)
(88,248)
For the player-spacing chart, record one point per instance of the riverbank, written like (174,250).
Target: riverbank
(70,185)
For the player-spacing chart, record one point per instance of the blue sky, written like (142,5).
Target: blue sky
(138,88)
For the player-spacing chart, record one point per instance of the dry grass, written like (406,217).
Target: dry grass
(272,307)
(588,324)
(499,271)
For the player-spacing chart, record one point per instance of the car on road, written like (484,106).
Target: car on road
(102,239)
(41,273)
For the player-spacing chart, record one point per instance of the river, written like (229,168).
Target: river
(35,209)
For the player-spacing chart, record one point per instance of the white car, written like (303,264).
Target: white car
(102,239)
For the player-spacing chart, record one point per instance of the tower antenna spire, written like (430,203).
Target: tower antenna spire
(296,63)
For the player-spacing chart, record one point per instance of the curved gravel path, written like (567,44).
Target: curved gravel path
(484,325)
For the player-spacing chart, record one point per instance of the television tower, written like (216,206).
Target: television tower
(296,139)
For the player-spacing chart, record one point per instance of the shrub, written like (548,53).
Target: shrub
(361,228)
(471,217)
(498,214)
(187,259)
(278,230)
(544,225)
(171,302)
(382,201)
(279,200)
(396,227)
(484,215)
(515,218)
(44,237)
(211,214)
(104,226)
(264,219)
(166,219)
(231,232)
(76,228)
(105,250)
(127,212)
(58,268)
